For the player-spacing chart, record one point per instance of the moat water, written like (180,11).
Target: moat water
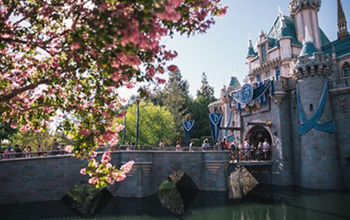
(263,203)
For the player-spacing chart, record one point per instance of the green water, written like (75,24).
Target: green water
(264,202)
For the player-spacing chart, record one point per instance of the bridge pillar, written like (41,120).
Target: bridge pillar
(215,171)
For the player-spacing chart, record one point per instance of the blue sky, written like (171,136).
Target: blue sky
(222,50)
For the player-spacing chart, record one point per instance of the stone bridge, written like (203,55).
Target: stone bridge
(50,178)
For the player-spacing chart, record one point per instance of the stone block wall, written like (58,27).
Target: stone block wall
(50,178)
(341,111)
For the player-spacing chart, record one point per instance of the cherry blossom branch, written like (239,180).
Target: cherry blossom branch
(34,107)
(16,92)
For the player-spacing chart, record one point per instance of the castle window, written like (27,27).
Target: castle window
(268,74)
(346,70)
(263,53)
(277,72)
(311,107)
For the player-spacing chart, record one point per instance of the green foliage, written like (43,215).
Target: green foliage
(156,123)
(6,131)
(176,99)
(200,111)
(33,139)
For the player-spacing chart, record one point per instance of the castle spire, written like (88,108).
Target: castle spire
(251,52)
(342,24)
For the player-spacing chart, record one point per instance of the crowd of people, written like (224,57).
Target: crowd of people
(28,151)
(247,150)
(244,151)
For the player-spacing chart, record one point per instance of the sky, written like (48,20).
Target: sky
(221,52)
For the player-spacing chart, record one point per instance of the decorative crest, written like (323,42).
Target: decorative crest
(296,5)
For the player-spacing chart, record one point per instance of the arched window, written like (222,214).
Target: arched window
(346,70)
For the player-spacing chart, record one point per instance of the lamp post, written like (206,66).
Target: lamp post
(124,130)
(137,120)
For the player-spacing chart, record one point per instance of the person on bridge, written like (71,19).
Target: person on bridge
(191,145)
(18,151)
(162,145)
(266,149)
(205,145)
(178,146)
(245,150)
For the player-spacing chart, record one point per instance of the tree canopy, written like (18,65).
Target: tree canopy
(156,123)
(73,55)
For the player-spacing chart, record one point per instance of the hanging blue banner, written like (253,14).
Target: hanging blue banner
(215,122)
(312,123)
(188,125)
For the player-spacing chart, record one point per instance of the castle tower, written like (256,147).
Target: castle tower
(319,165)
(250,55)
(342,24)
(305,15)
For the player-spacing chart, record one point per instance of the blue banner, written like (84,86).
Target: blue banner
(188,126)
(312,123)
(215,122)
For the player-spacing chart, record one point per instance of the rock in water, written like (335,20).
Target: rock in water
(241,182)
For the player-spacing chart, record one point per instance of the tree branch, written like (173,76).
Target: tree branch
(32,108)
(5,98)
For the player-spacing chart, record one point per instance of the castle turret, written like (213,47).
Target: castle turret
(305,15)
(285,42)
(316,125)
(251,53)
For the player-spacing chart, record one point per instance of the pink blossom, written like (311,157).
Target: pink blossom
(119,176)
(106,157)
(160,81)
(130,86)
(83,171)
(75,46)
(127,167)
(94,163)
(93,180)
(172,68)
(108,165)
(93,154)
(13,125)
(84,132)
(69,149)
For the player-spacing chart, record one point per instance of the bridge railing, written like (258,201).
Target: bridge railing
(250,155)
(52,153)
(14,155)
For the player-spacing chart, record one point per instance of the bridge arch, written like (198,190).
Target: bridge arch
(177,192)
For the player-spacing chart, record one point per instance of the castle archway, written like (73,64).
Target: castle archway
(258,134)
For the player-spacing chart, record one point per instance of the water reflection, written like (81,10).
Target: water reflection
(263,202)
(177,193)
(85,200)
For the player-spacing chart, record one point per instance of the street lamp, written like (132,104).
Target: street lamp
(137,120)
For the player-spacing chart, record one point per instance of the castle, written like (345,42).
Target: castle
(297,96)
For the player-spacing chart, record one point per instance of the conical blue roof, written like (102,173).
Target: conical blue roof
(309,49)
(251,52)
